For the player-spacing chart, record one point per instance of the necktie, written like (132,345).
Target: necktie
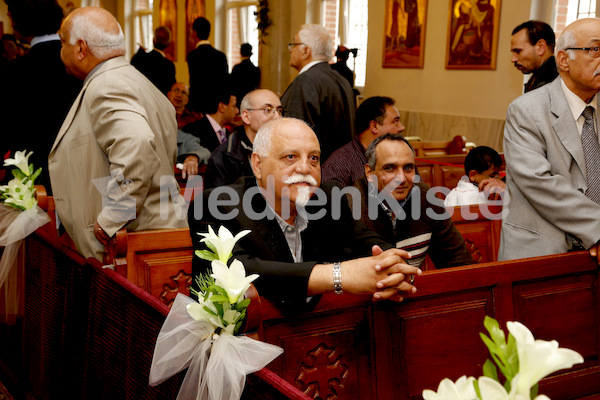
(591,152)
(222,135)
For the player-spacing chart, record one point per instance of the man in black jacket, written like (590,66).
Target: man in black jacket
(208,70)
(37,92)
(300,248)
(231,160)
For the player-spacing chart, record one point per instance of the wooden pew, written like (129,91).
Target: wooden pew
(159,262)
(351,348)
(439,147)
(443,170)
(346,346)
(89,333)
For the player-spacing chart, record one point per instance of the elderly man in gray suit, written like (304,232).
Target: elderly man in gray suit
(117,144)
(553,156)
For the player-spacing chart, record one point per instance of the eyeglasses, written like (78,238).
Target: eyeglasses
(594,51)
(269,110)
(292,45)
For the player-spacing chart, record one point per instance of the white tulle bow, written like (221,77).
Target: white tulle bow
(218,364)
(16,225)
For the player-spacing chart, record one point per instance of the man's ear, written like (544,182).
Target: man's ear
(540,47)
(373,127)
(245,115)
(368,172)
(562,60)
(306,52)
(82,49)
(256,161)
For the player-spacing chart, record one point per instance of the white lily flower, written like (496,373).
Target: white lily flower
(20,161)
(492,390)
(232,279)
(538,358)
(20,194)
(224,242)
(197,311)
(463,389)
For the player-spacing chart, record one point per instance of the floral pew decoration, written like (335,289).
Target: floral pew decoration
(522,360)
(202,335)
(19,217)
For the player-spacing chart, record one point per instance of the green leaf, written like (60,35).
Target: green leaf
(476,385)
(206,255)
(238,326)
(490,370)
(208,310)
(534,390)
(34,176)
(219,298)
(242,305)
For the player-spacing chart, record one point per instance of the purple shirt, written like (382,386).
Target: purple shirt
(346,164)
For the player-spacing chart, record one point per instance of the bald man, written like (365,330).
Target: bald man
(231,159)
(552,155)
(117,142)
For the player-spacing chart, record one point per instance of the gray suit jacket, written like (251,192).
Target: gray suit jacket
(117,142)
(547,210)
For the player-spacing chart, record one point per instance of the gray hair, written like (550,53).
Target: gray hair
(263,139)
(318,39)
(371,153)
(102,44)
(246,102)
(566,40)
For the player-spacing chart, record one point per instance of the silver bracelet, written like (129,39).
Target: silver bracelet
(337,278)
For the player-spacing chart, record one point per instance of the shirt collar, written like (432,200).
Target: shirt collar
(576,104)
(200,43)
(44,38)
(215,125)
(309,65)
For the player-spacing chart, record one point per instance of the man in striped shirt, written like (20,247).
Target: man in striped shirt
(405,214)
(375,117)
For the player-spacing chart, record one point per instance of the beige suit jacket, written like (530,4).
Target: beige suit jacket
(115,149)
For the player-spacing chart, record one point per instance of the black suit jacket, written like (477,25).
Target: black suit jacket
(208,73)
(160,70)
(324,99)
(37,94)
(264,250)
(203,130)
(245,77)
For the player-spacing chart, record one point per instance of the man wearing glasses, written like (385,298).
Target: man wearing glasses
(231,159)
(553,156)
(319,96)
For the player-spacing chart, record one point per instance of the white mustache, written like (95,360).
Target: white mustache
(301,178)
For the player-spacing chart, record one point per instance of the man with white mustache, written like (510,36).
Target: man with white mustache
(299,248)
(552,155)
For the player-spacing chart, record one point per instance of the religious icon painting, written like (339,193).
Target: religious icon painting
(404,33)
(472,34)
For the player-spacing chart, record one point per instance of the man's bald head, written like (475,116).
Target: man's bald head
(89,36)
(99,29)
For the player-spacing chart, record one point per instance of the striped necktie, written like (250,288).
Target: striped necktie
(222,134)
(591,152)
